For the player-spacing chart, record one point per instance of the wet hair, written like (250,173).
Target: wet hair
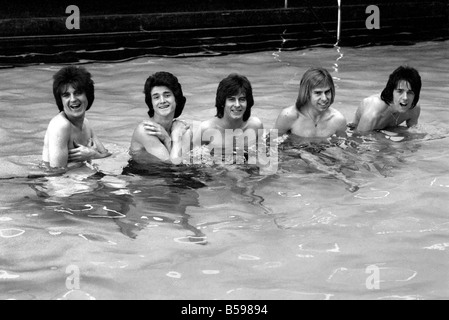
(164,79)
(233,85)
(405,73)
(79,78)
(314,78)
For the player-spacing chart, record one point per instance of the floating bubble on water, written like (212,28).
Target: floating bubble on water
(55,233)
(269,265)
(4,275)
(290,194)
(305,256)
(174,274)
(5,219)
(192,239)
(438,246)
(210,272)
(372,195)
(158,219)
(11,233)
(248,257)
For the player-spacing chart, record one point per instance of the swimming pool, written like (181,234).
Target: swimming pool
(160,232)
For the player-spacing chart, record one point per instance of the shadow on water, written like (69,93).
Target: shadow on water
(144,193)
(354,159)
(162,193)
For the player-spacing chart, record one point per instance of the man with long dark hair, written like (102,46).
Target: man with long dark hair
(161,135)
(233,129)
(69,137)
(398,103)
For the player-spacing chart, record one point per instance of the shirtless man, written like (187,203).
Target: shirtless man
(234,100)
(69,138)
(397,103)
(161,136)
(312,116)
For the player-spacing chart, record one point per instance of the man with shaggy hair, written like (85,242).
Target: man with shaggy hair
(397,103)
(69,137)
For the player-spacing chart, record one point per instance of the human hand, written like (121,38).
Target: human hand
(156,130)
(179,128)
(82,153)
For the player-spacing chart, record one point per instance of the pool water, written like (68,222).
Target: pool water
(119,230)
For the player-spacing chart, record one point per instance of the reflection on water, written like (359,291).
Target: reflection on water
(316,229)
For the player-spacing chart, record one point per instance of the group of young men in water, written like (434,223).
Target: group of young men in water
(70,139)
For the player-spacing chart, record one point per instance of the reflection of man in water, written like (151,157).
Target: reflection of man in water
(397,103)
(162,193)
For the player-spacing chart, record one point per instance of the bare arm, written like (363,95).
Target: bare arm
(367,116)
(341,127)
(285,120)
(413,121)
(93,150)
(151,143)
(181,138)
(58,135)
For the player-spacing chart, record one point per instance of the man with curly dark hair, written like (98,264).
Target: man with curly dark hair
(161,135)
(69,137)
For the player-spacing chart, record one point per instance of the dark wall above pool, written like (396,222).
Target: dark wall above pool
(37,32)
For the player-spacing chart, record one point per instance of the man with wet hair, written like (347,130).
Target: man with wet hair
(397,103)
(69,137)
(233,128)
(161,135)
(312,116)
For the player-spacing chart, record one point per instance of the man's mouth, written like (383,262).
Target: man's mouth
(75,106)
(403,104)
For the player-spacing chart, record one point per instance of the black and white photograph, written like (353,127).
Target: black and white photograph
(224,155)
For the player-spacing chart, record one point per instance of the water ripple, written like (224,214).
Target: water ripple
(11,233)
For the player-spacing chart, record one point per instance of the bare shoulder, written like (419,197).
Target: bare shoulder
(287,116)
(286,119)
(140,137)
(140,129)
(209,124)
(254,123)
(289,113)
(416,110)
(59,122)
(373,103)
(337,115)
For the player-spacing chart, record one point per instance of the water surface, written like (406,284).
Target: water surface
(162,232)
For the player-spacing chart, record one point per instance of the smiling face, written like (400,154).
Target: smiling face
(235,106)
(320,98)
(75,102)
(403,97)
(163,100)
